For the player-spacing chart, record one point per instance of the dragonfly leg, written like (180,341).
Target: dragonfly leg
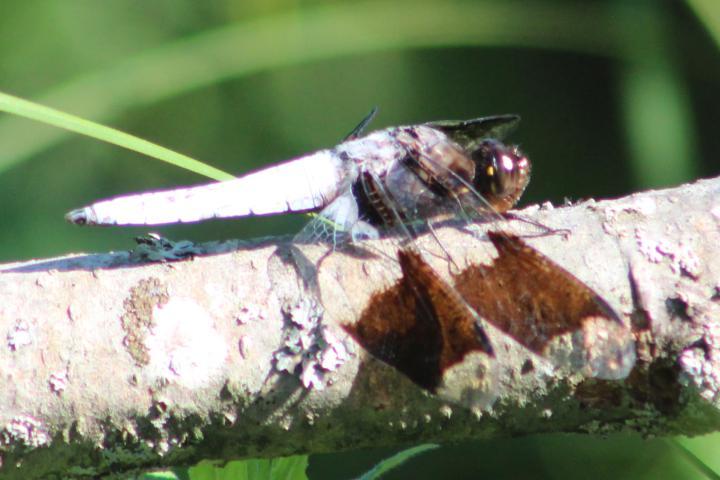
(545,229)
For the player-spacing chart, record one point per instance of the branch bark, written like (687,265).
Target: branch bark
(111,365)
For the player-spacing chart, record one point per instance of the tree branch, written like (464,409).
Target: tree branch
(113,365)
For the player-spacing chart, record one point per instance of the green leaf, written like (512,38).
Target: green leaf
(290,468)
(204,470)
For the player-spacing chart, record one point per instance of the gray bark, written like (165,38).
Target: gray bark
(110,365)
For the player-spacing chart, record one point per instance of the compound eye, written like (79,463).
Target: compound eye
(502,173)
(508,169)
(492,168)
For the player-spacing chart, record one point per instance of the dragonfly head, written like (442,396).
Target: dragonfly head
(502,173)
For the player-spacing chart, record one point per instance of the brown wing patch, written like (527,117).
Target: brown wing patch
(534,300)
(420,325)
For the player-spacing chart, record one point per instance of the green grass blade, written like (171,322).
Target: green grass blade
(166,475)
(708,12)
(686,449)
(396,460)
(72,123)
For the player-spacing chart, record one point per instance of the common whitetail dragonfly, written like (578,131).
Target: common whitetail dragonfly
(392,179)
(426,171)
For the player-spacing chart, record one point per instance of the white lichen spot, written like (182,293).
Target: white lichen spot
(163,447)
(641,204)
(334,354)
(19,336)
(58,382)
(701,366)
(692,364)
(230,418)
(309,345)
(683,258)
(644,205)
(652,249)
(446,411)
(26,430)
(286,423)
(305,314)
(312,377)
(310,417)
(183,344)
(477,413)
(128,432)
(687,261)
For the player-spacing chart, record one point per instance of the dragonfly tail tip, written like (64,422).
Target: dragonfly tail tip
(78,216)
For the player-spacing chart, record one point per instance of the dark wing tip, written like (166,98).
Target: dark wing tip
(469,132)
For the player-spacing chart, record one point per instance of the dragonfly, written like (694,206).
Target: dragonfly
(392,180)
(427,171)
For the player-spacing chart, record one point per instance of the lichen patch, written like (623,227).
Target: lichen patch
(309,346)
(58,382)
(682,256)
(19,336)
(137,318)
(26,430)
(183,344)
(700,363)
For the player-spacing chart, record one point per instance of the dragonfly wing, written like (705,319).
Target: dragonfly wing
(337,224)
(469,133)
(418,324)
(360,127)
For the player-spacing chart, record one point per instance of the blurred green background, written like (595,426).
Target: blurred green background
(615,96)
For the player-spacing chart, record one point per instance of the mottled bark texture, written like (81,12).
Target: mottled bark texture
(111,365)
